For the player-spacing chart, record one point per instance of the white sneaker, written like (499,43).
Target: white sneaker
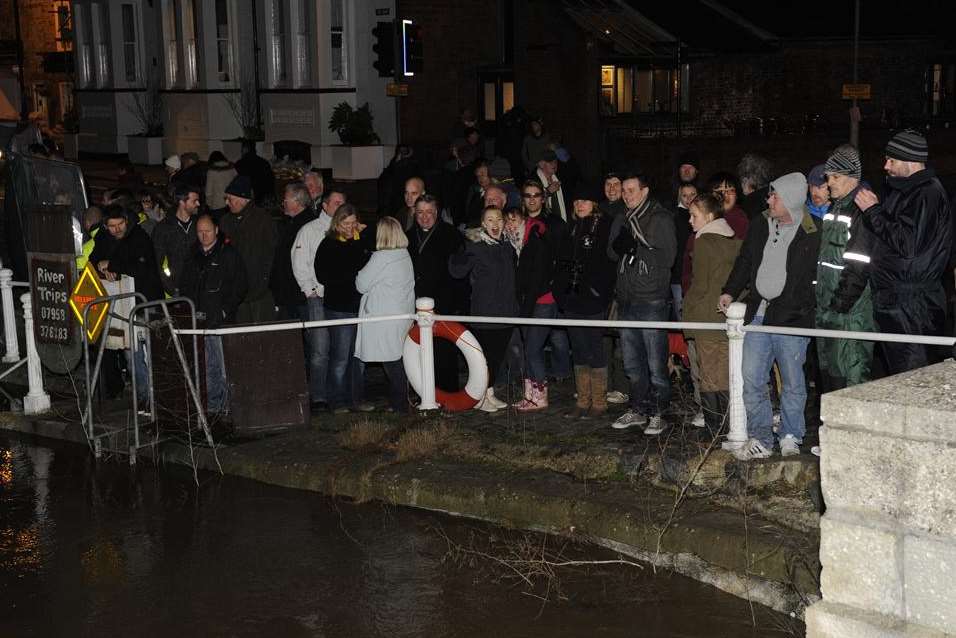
(815,450)
(655,425)
(752,449)
(698,421)
(629,419)
(486,406)
(616,396)
(776,422)
(789,446)
(495,401)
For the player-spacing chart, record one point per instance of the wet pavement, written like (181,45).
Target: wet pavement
(89,549)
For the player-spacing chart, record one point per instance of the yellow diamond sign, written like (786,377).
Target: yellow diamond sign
(86,290)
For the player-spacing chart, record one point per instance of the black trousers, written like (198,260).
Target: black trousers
(494,341)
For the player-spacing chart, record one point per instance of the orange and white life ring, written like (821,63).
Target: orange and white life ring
(474,389)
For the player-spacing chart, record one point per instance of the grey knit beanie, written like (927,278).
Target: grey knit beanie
(845,160)
(908,146)
(792,189)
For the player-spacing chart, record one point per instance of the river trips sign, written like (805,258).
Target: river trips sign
(52,277)
(88,288)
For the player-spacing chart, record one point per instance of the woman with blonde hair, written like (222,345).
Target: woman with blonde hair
(339,258)
(713,253)
(387,285)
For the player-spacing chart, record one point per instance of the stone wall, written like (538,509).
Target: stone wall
(888,538)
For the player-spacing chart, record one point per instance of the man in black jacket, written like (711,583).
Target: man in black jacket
(174,235)
(285,289)
(430,243)
(910,251)
(777,264)
(125,249)
(215,279)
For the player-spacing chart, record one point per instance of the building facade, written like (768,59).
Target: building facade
(209,72)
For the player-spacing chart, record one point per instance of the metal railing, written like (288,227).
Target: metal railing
(733,326)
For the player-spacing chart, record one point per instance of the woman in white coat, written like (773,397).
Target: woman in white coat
(387,285)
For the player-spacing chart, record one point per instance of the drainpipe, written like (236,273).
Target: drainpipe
(24,113)
(680,89)
(255,52)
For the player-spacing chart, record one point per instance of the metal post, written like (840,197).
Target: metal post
(425,308)
(854,120)
(736,415)
(9,317)
(37,400)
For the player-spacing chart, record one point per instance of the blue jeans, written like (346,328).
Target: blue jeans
(760,351)
(645,356)
(317,354)
(560,353)
(677,297)
(216,388)
(534,340)
(137,365)
(345,377)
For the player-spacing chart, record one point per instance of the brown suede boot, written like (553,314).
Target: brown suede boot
(598,392)
(582,384)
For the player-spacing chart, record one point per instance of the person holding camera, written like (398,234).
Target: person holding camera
(644,244)
(583,286)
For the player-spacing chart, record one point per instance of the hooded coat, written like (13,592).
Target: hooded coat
(387,286)
(489,266)
(715,249)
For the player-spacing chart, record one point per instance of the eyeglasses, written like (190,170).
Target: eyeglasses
(532,195)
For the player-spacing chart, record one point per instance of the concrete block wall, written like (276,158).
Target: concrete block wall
(888,538)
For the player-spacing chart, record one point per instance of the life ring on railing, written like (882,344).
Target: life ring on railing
(474,389)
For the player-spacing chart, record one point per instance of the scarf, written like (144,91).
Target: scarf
(817,211)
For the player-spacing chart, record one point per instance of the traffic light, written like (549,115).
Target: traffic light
(412,48)
(384,48)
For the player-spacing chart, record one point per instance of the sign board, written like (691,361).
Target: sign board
(386,11)
(52,277)
(396,89)
(88,288)
(856,91)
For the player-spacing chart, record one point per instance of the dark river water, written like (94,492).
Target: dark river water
(98,549)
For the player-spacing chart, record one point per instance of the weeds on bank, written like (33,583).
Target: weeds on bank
(424,441)
(364,434)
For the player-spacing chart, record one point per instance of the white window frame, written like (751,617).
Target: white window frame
(227,77)
(81,38)
(300,18)
(101,48)
(135,43)
(187,9)
(170,42)
(345,31)
(277,33)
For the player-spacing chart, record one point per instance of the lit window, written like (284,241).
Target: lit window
(63,23)
(628,90)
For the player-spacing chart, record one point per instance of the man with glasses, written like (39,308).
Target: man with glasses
(777,263)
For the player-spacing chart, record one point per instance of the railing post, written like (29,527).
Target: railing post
(9,317)
(425,307)
(37,400)
(736,414)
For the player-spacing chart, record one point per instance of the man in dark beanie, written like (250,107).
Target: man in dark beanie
(253,233)
(911,248)
(843,296)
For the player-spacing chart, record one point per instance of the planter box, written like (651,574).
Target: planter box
(358,162)
(145,150)
(71,146)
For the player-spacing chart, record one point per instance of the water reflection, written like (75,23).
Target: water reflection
(119,552)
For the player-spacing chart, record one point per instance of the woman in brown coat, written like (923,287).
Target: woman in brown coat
(714,250)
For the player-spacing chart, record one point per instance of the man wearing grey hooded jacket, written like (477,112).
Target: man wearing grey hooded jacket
(777,264)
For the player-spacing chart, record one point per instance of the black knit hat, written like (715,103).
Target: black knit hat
(845,160)
(908,146)
(689,157)
(240,186)
(585,191)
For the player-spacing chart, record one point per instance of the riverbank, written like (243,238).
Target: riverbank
(674,501)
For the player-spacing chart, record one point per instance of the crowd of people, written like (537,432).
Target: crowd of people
(819,249)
